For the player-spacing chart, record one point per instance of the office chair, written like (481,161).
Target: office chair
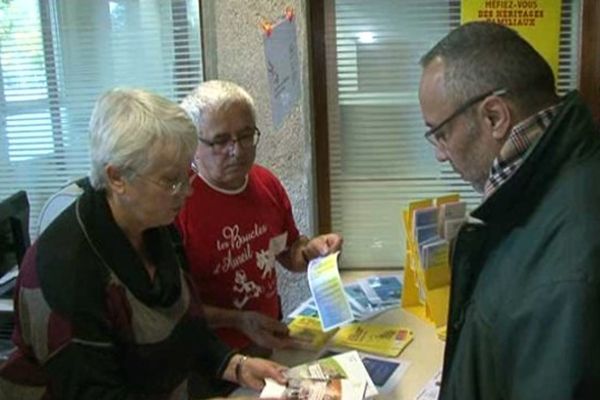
(57,203)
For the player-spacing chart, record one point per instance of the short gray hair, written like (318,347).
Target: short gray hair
(482,56)
(128,124)
(212,96)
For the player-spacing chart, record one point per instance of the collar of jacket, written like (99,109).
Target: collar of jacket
(572,135)
(117,254)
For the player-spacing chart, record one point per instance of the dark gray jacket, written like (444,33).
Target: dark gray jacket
(524,318)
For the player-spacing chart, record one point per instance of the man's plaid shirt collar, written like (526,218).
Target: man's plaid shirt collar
(522,138)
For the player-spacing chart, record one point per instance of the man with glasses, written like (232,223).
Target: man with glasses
(238,222)
(524,320)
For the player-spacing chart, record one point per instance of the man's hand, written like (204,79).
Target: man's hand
(303,250)
(265,331)
(322,245)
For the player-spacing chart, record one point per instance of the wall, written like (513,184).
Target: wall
(234,51)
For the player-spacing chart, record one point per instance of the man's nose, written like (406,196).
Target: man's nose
(233,147)
(441,154)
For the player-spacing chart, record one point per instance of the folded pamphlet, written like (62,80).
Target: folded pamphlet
(340,377)
(384,340)
(384,372)
(308,330)
(326,288)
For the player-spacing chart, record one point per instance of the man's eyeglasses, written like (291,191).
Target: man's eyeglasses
(435,136)
(246,140)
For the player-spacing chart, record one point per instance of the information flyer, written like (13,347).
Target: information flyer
(327,290)
(538,21)
(281,54)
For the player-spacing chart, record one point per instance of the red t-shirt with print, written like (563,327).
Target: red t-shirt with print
(231,240)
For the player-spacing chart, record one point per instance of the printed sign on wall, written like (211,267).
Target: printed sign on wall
(281,53)
(538,21)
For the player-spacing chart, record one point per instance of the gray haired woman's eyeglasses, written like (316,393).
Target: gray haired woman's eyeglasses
(173,187)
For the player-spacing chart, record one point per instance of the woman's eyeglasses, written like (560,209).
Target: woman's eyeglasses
(173,187)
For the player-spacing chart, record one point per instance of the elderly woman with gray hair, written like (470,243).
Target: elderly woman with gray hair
(104,306)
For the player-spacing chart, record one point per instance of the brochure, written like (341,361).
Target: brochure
(451,217)
(307,308)
(384,372)
(388,289)
(320,378)
(367,298)
(314,389)
(308,332)
(385,340)
(358,297)
(427,271)
(425,216)
(362,307)
(326,287)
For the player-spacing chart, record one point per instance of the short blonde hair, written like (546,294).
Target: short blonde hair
(213,96)
(127,124)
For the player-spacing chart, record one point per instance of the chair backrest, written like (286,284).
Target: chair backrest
(56,204)
(14,231)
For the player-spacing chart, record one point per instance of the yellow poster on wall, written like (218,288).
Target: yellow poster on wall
(538,21)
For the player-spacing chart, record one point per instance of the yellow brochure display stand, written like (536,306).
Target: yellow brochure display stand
(426,288)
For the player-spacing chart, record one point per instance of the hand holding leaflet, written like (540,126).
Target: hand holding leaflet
(340,377)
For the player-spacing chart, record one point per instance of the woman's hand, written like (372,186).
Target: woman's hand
(251,372)
(265,331)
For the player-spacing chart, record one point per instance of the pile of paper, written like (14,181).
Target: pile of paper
(384,340)
(433,228)
(374,295)
(430,225)
(367,298)
(341,377)
(307,331)
(384,372)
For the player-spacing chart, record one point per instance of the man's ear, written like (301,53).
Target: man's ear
(497,117)
(116,181)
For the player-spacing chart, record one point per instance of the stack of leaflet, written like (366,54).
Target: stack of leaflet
(385,373)
(307,331)
(430,226)
(340,377)
(367,297)
(383,340)
(373,295)
(434,227)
